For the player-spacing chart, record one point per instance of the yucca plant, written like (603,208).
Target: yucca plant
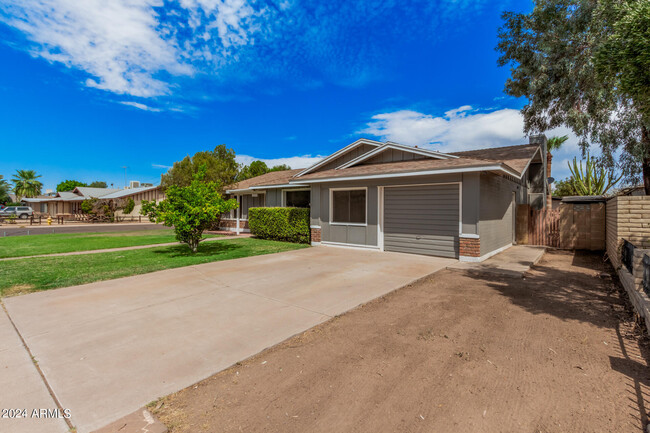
(594,179)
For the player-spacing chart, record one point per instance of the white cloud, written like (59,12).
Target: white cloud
(139,106)
(465,128)
(292,161)
(124,45)
(149,48)
(166,167)
(458,129)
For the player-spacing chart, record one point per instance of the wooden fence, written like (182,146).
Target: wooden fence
(579,226)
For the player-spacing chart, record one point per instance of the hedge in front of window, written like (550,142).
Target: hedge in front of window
(289,224)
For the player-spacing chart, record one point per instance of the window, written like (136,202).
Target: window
(349,206)
(296,198)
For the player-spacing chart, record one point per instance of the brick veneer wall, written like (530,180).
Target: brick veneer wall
(470,247)
(627,218)
(315,234)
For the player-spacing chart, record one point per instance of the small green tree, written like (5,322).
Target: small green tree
(98,184)
(88,205)
(594,179)
(69,185)
(128,207)
(564,188)
(190,209)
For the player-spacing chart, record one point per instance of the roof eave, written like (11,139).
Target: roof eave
(493,167)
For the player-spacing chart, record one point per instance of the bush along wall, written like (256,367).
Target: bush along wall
(289,224)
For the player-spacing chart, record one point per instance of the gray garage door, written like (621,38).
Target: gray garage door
(422,219)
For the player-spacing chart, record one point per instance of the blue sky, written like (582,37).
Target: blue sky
(89,87)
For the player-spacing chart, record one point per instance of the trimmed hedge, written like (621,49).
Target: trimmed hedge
(289,224)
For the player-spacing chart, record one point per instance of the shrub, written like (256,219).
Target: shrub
(128,207)
(289,224)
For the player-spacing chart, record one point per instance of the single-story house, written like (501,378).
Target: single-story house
(392,197)
(69,202)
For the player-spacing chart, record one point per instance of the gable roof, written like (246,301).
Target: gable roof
(518,157)
(408,168)
(396,146)
(89,192)
(271,179)
(338,153)
(131,191)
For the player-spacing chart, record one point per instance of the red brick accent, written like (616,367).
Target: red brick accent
(470,247)
(315,235)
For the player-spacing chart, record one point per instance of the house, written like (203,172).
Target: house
(392,197)
(69,202)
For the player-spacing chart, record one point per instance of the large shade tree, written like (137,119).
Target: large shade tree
(69,185)
(26,184)
(585,64)
(220,167)
(258,168)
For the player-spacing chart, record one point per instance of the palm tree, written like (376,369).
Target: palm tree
(554,143)
(4,191)
(25,184)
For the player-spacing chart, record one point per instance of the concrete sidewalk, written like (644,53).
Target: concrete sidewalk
(514,261)
(22,387)
(109,348)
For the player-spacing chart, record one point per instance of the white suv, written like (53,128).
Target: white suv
(22,212)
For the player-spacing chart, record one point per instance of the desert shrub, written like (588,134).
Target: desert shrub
(289,224)
(128,207)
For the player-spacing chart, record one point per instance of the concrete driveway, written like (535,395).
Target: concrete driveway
(108,348)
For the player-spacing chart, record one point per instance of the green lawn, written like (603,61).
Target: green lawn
(20,246)
(43,273)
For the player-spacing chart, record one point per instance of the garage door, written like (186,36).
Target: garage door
(422,219)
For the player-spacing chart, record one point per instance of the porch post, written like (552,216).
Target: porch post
(237,228)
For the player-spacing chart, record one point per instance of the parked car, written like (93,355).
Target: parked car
(22,212)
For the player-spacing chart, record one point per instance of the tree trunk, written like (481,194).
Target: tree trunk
(645,140)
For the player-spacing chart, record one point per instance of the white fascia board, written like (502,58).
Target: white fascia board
(293,185)
(235,191)
(417,173)
(339,153)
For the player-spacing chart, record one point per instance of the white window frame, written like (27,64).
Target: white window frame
(331,206)
(283,197)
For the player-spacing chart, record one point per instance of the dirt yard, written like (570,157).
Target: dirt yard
(556,351)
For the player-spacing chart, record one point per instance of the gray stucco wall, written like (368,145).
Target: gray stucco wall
(496,212)
(368,235)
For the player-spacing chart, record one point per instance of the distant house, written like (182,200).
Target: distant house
(69,202)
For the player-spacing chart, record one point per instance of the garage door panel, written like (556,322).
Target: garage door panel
(422,219)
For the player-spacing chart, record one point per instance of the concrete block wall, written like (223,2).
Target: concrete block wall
(627,218)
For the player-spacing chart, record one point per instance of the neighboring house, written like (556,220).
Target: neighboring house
(392,197)
(69,202)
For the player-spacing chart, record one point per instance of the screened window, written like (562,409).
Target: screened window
(349,206)
(296,198)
